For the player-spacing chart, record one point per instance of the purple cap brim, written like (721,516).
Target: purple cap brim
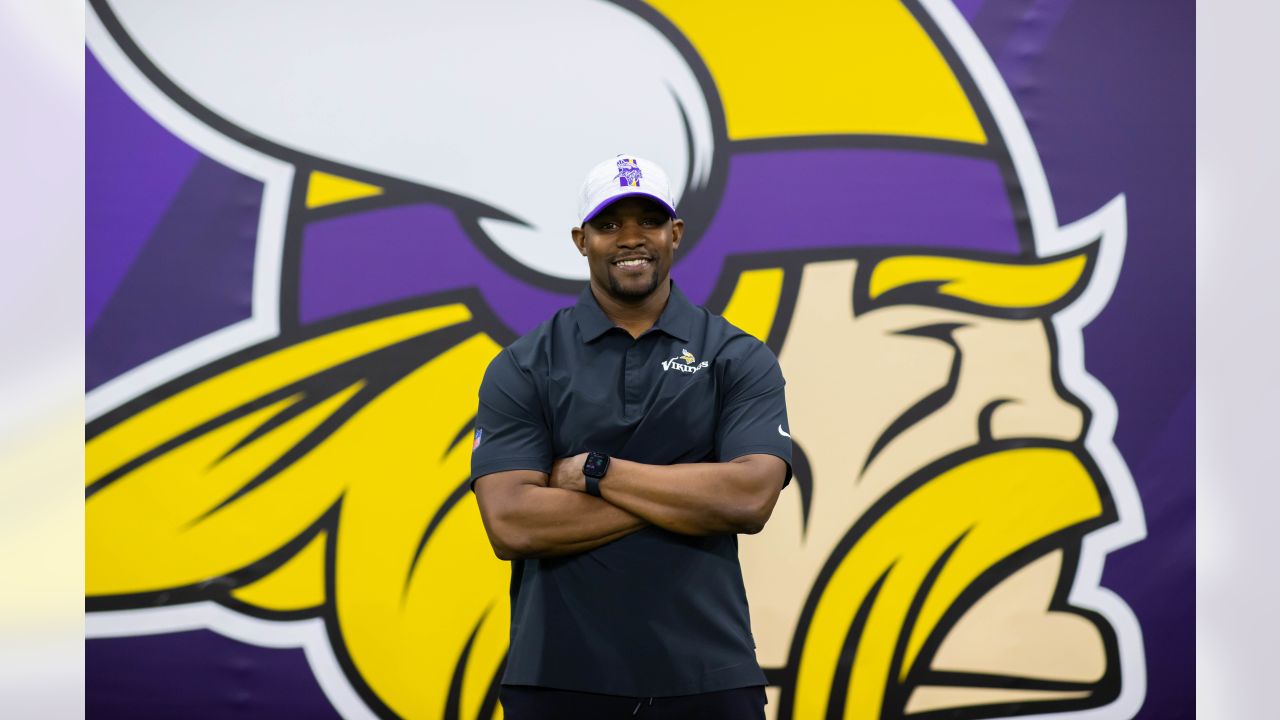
(635,193)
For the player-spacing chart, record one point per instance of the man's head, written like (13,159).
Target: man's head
(629,231)
(630,246)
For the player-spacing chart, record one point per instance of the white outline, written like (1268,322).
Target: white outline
(277,178)
(1108,224)
(307,634)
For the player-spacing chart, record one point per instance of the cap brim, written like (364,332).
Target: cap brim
(635,193)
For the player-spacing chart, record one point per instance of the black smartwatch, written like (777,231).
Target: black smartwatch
(594,468)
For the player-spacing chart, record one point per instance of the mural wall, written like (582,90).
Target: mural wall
(310,227)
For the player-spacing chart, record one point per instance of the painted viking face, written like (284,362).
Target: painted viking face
(933,438)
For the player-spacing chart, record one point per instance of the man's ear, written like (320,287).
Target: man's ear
(580,240)
(677,232)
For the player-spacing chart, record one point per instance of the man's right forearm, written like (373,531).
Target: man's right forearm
(538,521)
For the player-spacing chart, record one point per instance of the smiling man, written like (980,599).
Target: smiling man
(620,448)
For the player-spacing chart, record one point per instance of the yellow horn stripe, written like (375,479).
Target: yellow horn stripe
(325,189)
(994,284)
(817,68)
(755,301)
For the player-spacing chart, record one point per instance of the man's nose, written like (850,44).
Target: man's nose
(631,235)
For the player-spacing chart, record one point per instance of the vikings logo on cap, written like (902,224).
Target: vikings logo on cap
(287,465)
(628,173)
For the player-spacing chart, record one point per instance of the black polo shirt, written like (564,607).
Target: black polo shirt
(655,613)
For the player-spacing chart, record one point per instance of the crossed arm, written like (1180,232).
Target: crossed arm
(530,514)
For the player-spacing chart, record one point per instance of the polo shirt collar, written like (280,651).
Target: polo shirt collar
(676,319)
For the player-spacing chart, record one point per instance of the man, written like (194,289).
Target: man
(619,449)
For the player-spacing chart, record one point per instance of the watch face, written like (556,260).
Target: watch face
(595,465)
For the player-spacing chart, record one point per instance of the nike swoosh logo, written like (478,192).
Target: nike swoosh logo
(782,432)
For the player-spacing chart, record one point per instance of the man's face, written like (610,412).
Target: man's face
(629,246)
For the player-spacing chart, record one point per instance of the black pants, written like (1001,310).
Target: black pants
(523,702)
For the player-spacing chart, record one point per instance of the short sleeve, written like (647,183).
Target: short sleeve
(753,414)
(511,432)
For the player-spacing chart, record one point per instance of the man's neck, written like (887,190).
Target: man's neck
(635,317)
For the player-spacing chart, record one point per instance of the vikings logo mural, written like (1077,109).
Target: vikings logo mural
(378,199)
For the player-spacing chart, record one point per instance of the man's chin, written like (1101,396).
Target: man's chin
(635,288)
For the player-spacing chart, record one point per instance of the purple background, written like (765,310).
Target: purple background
(1107,90)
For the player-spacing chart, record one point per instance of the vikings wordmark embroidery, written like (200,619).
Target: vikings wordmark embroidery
(684,362)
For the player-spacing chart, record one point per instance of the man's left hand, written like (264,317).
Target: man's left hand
(566,473)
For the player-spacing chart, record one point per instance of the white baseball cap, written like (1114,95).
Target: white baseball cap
(623,176)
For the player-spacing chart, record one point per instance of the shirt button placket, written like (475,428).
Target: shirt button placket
(632,373)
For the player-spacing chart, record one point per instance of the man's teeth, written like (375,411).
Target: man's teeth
(632,263)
